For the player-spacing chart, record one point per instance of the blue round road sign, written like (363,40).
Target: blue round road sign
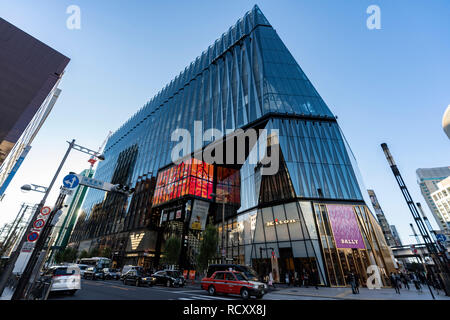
(441,237)
(71,181)
(39,223)
(33,236)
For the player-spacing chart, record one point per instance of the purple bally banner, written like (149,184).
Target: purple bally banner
(345,227)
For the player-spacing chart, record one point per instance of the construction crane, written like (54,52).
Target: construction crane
(92,160)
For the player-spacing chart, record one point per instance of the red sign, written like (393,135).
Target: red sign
(185,273)
(33,236)
(192,274)
(45,211)
(39,223)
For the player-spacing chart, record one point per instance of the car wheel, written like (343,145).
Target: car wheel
(244,294)
(137,283)
(211,290)
(168,283)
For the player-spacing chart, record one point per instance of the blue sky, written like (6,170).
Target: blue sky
(389,85)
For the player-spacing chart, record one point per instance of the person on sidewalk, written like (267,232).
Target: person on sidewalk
(286,278)
(357,283)
(352,280)
(394,283)
(315,278)
(305,278)
(404,279)
(416,282)
(271,284)
(296,280)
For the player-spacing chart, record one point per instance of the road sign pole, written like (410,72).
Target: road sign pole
(21,285)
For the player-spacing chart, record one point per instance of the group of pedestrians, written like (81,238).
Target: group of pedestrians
(302,279)
(296,279)
(417,278)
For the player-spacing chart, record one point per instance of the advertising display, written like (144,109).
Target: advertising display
(345,227)
(199,215)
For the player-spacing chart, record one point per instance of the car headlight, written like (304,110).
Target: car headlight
(265,286)
(255,286)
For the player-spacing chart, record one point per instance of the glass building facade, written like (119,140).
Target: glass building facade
(246,79)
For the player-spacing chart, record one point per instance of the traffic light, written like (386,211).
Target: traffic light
(122,189)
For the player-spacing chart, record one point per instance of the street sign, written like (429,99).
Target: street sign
(71,181)
(441,237)
(28,246)
(32,236)
(93,183)
(39,223)
(67,192)
(45,211)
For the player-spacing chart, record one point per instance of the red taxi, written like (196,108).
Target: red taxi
(233,282)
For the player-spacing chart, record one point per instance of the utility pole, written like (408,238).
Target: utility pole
(431,246)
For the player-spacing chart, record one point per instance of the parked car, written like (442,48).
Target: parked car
(83,268)
(65,278)
(138,278)
(169,278)
(111,273)
(94,273)
(233,282)
(249,272)
(127,268)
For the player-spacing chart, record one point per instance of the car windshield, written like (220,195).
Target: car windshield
(240,276)
(64,272)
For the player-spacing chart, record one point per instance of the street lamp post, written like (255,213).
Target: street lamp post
(20,291)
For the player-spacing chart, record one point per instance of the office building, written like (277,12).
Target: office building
(396,236)
(29,75)
(289,195)
(441,199)
(428,179)
(382,219)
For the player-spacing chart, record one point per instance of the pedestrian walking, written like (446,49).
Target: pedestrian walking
(296,280)
(416,282)
(315,278)
(394,283)
(357,283)
(305,278)
(351,279)
(271,284)
(404,279)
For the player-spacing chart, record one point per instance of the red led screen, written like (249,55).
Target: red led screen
(195,178)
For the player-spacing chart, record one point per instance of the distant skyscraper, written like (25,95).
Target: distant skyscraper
(396,236)
(382,219)
(428,178)
(441,199)
(29,75)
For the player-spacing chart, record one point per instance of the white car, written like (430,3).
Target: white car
(82,267)
(64,278)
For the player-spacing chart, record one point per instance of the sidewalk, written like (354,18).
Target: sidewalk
(365,294)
